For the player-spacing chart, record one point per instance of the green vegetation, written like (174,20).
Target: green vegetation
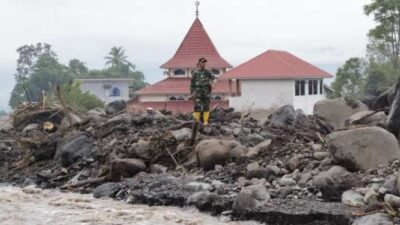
(380,68)
(39,71)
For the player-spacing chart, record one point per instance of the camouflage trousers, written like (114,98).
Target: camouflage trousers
(201,100)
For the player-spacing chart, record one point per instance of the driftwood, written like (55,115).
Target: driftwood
(85,182)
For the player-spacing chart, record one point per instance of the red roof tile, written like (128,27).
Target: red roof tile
(179,86)
(195,45)
(274,64)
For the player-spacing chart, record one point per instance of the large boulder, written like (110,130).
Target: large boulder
(285,115)
(115,107)
(141,149)
(363,148)
(182,134)
(212,152)
(393,119)
(336,111)
(108,189)
(73,147)
(374,219)
(65,123)
(369,118)
(335,181)
(126,168)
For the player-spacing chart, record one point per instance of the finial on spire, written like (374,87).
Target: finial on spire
(197,8)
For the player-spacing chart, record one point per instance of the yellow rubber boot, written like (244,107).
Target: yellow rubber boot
(196,116)
(206,116)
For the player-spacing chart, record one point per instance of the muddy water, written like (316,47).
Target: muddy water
(32,206)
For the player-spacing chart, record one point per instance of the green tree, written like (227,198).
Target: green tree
(77,100)
(385,36)
(28,55)
(379,77)
(46,74)
(78,68)
(116,57)
(350,78)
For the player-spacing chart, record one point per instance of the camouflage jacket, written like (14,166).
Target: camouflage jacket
(201,80)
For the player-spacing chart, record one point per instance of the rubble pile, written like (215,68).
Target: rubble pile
(335,167)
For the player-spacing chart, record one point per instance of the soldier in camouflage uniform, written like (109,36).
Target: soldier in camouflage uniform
(200,88)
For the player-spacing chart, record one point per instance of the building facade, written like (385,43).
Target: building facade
(107,90)
(273,79)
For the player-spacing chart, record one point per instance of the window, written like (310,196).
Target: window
(180,98)
(217,98)
(215,71)
(313,87)
(300,86)
(172,98)
(321,86)
(179,72)
(116,92)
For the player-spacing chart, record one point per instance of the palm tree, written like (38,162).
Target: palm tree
(116,57)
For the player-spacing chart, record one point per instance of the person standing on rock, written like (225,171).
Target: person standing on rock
(200,88)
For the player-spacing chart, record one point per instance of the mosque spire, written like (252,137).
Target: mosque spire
(197,8)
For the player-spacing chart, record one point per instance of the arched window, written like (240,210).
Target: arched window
(179,72)
(172,98)
(180,98)
(215,71)
(116,92)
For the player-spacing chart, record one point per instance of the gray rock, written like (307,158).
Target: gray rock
(393,201)
(391,185)
(73,147)
(203,200)
(252,139)
(96,112)
(283,116)
(126,168)
(182,134)
(253,166)
(253,151)
(106,190)
(363,148)
(321,155)
(357,117)
(293,163)
(30,127)
(5,125)
(238,152)
(374,219)
(336,111)
(316,147)
(199,186)
(352,198)
(115,107)
(250,198)
(286,181)
(157,169)
(140,149)
(335,181)
(371,196)
(74,120)
(212,152)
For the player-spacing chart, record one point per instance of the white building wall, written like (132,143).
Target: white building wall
(307,102)
(263,94)
(153,98)
(97,88)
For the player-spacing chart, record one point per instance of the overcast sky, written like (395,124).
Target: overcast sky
(323,32)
